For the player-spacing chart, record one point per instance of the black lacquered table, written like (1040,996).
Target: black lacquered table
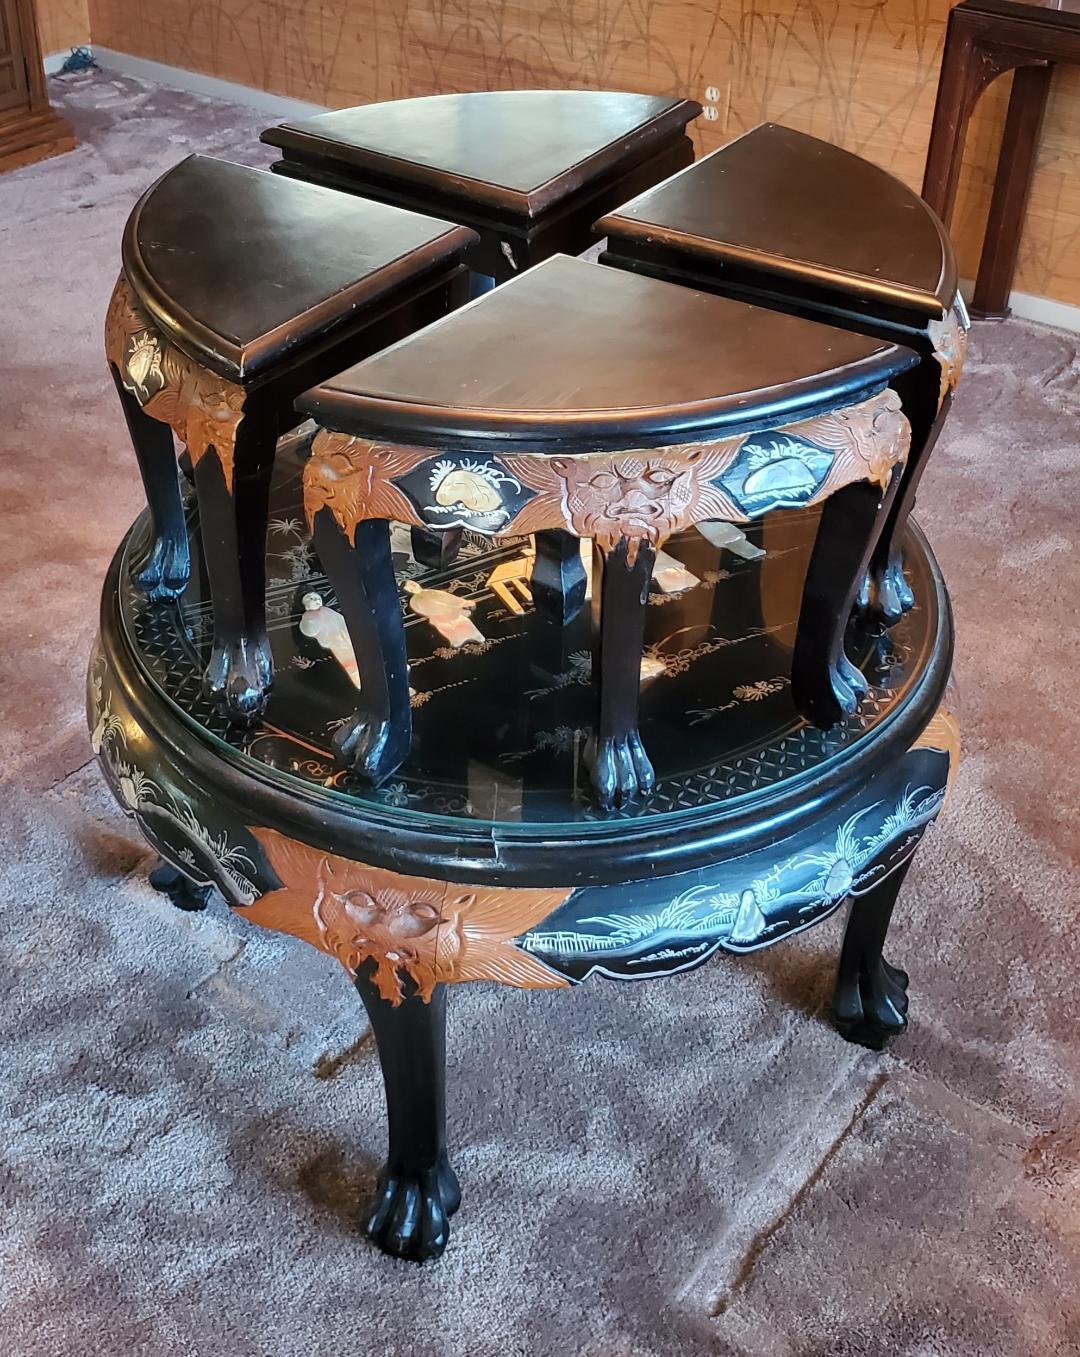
(486,857)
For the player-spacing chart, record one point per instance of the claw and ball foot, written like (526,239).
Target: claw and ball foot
(181,890)
(164,570)
(376,740)
(885,595)
(409,1215)
(233,517)
(621,769)
(417,1191)
(825,685)
(239,674)
(870,1004)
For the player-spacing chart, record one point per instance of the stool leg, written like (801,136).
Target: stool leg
(233,528)
(436,550)
(885,594)
(181,890)
(621,769)
(376,740)
(825,685)
(165,571)
(870,1003)
(417,1190)
(1016,167)
(558,576)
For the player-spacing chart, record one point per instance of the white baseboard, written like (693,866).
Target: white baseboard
(277,105)
(1027,306)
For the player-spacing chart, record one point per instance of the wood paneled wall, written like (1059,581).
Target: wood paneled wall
(858,72)
(63,24)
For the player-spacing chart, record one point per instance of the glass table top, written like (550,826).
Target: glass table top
(501,720)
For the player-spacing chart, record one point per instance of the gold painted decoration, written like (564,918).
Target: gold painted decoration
(943,732)
(949,338)
(354,479)
(434,932)
(637,494)
(203,409)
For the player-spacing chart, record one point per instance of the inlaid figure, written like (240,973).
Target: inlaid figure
(239,289)
(685,408)
(785,219)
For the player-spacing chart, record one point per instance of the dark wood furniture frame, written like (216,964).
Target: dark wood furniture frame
(985,39)
(30,129)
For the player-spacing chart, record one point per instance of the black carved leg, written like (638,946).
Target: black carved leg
(620,767)
(181,890)
(871,1001)
(417,1190)
(233,527)
(436,550)
(885,594)
(558,576)
(377,740)
(825,685)
(164,572)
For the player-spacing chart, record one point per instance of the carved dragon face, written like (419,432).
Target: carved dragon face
(391,928)
(332,481)
(635,497)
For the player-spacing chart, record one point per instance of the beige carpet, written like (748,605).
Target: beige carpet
(190,1112)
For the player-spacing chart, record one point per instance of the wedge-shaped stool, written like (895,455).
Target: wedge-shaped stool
(790,221)
(528,170)
(611,407)
(239,289)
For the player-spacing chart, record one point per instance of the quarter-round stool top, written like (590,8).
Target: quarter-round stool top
(242,269)
(520,153)
(596,358)
(780,210)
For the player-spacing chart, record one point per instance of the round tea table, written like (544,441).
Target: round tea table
(486,857)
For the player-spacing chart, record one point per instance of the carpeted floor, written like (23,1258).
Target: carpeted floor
(190,1111)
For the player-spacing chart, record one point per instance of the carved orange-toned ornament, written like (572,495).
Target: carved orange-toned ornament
(434,932)
(203,409)
(949,338)
(637,494)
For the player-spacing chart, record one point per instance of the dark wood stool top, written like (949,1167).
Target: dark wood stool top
(582,357)
(242,269)
(781,212)
(523,167)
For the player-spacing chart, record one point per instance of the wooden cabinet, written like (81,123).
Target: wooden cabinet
(29,128)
